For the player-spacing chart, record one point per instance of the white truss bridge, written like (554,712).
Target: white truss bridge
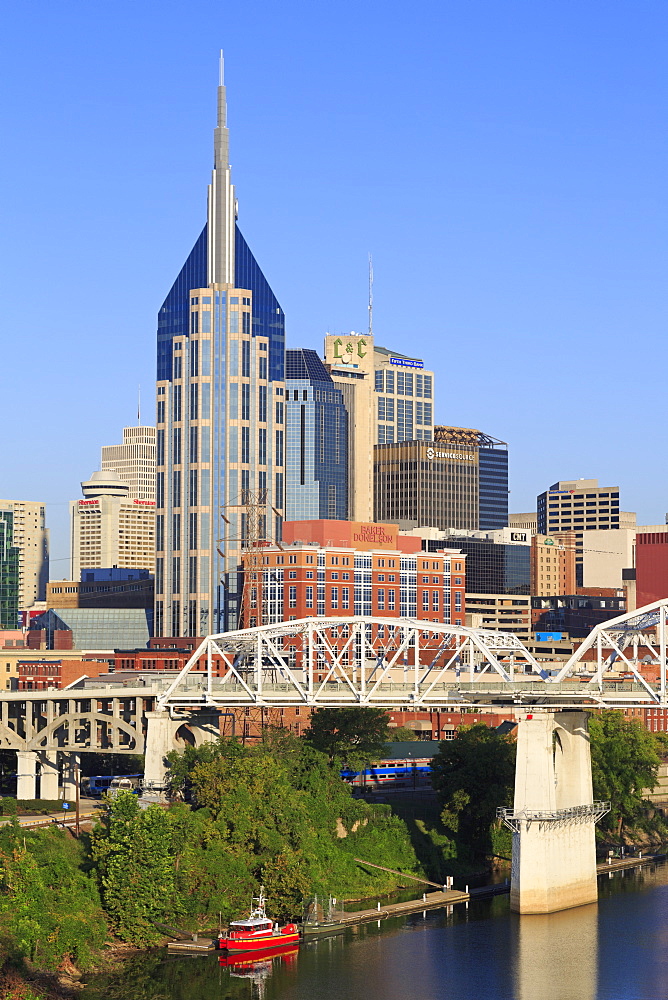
(415,664)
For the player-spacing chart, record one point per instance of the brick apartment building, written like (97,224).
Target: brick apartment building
(344,568)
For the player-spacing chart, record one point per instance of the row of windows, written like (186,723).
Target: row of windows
(404,383)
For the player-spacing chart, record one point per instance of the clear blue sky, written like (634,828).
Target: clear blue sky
(505,163)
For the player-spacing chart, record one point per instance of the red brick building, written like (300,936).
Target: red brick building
(35,674)
(345,568)
(651,567)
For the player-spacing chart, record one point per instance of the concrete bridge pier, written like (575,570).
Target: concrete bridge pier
(26,774)
(165,733)
(48,778)
(554,815)
(70,772)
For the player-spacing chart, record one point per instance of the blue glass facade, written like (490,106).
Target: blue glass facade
(317,441)
(174,315)
(9,573)
(268,319)
(493,567)
(492,488)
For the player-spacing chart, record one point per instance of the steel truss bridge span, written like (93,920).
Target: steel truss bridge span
(417,664)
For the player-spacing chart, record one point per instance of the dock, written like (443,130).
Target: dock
(196,946)
(429,901)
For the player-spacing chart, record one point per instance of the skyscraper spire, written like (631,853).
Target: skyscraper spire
(222,202)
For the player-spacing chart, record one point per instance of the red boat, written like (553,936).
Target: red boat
(258,933)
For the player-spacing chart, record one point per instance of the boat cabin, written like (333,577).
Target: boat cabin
(253,925)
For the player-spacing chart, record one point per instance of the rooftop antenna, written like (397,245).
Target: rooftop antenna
(221,70)
(370,296)
(139,405)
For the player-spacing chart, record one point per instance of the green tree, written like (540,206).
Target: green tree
(49,907)
(402,735)
(134,853)
(352,736)
(625,764)
(182,762)
(472,775)
(287,884)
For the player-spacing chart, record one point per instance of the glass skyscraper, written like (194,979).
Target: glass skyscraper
(9,572)
(220,416)
(317,441)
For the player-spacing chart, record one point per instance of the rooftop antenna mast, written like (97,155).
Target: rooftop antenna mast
(370,295)
(139,406)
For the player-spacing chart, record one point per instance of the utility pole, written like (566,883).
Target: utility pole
(77,782)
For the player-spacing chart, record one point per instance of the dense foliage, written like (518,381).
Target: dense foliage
(625,764)
(49,905)
(353,736)
(276,813)
(472,775)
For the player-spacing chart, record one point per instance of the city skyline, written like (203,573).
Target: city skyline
(523,274)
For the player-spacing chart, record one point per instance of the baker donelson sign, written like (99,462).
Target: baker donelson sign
(456,456)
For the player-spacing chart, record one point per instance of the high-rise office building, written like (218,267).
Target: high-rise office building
(31,536)
(220,419)
(458,480)
(580,505)
(109,529)
(404,397)
(316,461)
(9,572)
(133,461)
(389,397)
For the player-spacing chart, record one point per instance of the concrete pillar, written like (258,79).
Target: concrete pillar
(26,772)
(160,730)
(554,854)
(48,781)
(71,762)
(163,736)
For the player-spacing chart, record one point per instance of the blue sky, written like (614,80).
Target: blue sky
(504,163)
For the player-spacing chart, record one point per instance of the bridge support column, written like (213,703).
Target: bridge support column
(159,741)
(554,815)
(26,774)
(71,765)
(48,780)
(164,734)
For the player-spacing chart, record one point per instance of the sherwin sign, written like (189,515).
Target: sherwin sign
(453,456)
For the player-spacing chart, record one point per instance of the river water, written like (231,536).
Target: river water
(614,950)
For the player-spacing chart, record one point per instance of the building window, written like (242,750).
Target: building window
(292,597)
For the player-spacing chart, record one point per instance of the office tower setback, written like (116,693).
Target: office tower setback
(388,396)
(316,468)
(31,536)
(108,529)
(220,417)
(579,505)
(133,462)
(458,481)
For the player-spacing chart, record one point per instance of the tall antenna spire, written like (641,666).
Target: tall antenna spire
(139,405)
(370,295)
(222,208)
